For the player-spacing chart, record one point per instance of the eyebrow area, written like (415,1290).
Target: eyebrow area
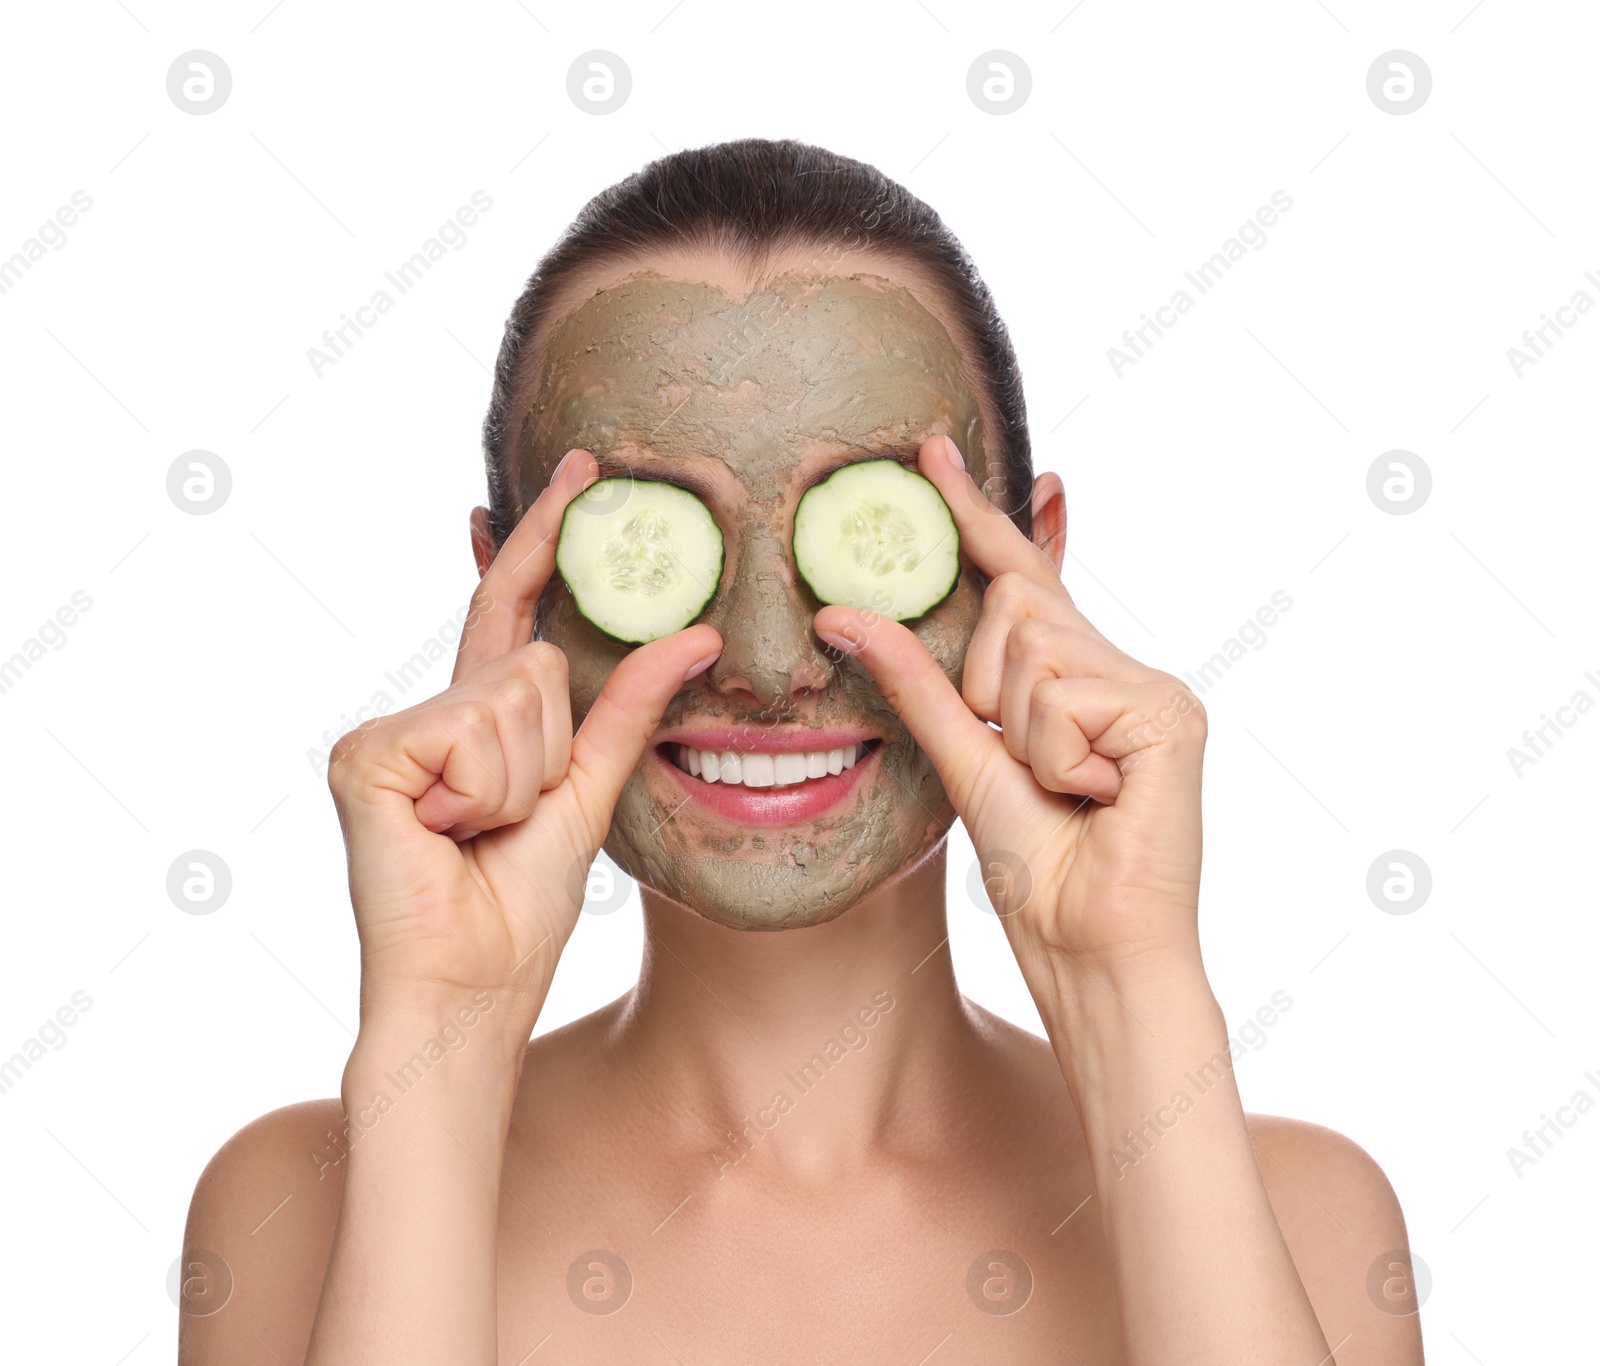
(680,473)
(901,455)
(686,476)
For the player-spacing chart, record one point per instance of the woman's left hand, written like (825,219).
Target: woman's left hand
(1084,807)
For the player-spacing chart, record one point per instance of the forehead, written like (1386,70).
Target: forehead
(653,366)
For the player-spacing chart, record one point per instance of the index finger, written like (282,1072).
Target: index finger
(501,616)
(989,537)
(911,681)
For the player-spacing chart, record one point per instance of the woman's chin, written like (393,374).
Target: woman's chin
(777,880)
(746,893)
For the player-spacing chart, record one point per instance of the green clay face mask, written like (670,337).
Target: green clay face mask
(751,399)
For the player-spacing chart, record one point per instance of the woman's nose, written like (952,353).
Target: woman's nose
(769,649)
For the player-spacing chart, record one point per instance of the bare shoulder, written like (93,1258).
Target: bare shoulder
(1346,1233)
(256,1244)
(1017,1102)
(1011,1042)
(560,1064)
(262,1218)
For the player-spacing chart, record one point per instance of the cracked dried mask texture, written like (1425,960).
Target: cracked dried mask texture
(753,394)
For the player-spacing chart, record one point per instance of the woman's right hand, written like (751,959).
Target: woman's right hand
(471,819)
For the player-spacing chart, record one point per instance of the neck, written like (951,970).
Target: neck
(844,1031)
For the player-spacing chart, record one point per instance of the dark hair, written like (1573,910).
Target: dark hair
(755,197)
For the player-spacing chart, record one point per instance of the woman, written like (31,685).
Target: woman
(806,1145)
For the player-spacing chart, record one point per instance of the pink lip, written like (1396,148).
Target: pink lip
(768,739)
(769,806)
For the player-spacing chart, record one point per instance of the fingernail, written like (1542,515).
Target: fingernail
(561,466)
(701,667)
(954,454)
(850,647)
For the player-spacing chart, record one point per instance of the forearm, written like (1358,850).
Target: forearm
(1202,1269)
(411,1273)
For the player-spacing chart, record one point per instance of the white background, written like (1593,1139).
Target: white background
(1228,463)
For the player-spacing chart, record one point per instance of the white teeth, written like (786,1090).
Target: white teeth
(788,768)
(765,770)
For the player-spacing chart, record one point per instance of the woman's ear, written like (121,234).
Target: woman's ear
(1050,516)
(482,540)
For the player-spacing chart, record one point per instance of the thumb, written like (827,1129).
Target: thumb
(957,741)
(606,749)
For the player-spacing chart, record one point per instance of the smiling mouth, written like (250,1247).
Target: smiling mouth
(777,786)
(758,770)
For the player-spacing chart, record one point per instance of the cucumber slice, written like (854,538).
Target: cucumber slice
(641,558)
(877,535)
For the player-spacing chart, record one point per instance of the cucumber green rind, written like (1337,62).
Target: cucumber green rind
(641,558)
(876,535)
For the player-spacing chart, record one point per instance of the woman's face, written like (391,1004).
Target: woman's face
(748,400)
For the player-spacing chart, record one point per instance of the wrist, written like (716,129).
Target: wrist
(472,1039)
(1145,1007)
(506,1011)
(1087,986)
(1133,1033)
